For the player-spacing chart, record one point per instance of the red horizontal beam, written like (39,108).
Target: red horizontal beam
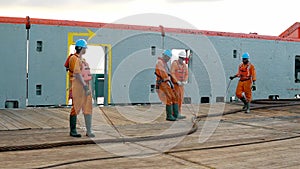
(15,20)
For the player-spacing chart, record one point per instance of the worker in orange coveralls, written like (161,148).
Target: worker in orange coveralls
(81,87)
(247,74)
(179,72)
(165,87)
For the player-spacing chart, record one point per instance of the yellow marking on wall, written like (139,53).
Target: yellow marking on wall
(109,69)
(90,35)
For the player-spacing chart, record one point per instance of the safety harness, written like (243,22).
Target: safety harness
(244,72)
(161,80)
(180,73)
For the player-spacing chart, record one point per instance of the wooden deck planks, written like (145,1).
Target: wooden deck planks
(232,130)
(278,154)
(18,117)
(2,125)
(9,122)
(34,119)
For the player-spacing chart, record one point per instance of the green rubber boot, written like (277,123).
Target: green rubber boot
(247,108)
(243,99)
(88,125)
(73,131)
(177,115)
(169,111)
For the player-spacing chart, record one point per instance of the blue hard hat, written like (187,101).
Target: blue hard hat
(81,43)
(245,56)
(168,53)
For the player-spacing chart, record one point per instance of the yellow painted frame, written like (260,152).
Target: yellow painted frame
(71,42)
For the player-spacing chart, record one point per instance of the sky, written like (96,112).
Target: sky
(265,17)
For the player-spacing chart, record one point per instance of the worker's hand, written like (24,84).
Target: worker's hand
(87,90)
(253,86)
(184,82)
(86,87)
(232,77)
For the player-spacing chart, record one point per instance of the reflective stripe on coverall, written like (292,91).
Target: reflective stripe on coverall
(247,75)
(179,72)
(79,100)
(165,93)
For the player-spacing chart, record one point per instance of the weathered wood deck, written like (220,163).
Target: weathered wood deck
(263,139)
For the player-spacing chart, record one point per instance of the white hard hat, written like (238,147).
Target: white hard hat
(182,54)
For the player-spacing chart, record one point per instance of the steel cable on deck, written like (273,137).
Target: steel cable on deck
(197,149)
(268,104)
(295,102)
(136,139)
(99,141)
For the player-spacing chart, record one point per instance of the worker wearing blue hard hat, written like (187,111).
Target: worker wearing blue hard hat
(246,56)
(247,74)
(168,53)
(165,87)
(81,43)
(81,87)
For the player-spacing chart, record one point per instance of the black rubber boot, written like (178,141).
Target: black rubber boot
(176,112)
(169,112)
(73,131)
(88,125)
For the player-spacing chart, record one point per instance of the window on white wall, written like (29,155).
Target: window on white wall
(234,53)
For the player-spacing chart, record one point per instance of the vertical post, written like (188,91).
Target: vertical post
(163,36)
(95,88)
(27,26)
(106,76)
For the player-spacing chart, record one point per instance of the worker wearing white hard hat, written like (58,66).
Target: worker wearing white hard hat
(165,87)
(179,73)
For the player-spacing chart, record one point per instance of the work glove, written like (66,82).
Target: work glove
(184,82)
(253,86)
(87,90)
(232,77)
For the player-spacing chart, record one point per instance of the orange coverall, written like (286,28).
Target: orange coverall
(79,100)
(165,93)
(247,74)
(179,72)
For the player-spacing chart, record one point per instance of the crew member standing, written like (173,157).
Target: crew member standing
(179,72)
(165,87)
(81,87)
(247,74)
